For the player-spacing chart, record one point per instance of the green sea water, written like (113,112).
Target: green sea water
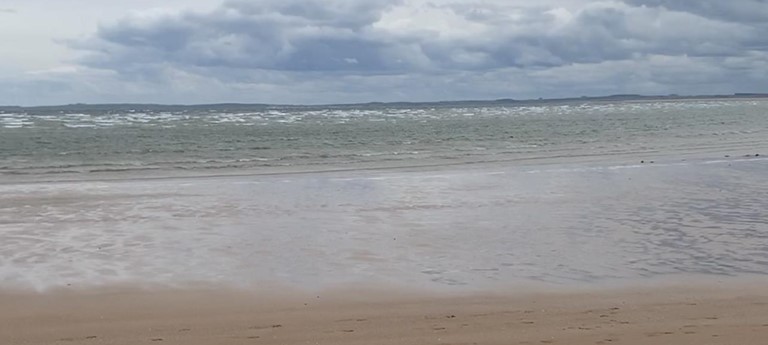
(114,142)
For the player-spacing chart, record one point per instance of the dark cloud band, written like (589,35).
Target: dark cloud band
(320,51)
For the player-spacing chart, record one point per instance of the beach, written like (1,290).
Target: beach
(384,172)
(714,313)
(470,228)
(643,236)
(392,257)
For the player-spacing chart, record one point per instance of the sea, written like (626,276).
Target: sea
(55,144)
(435,196)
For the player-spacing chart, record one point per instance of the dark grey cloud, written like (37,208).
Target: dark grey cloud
(729,10)
(7,10)
(750,15)
(652,75)
(316,51)
(340,36)
(281,35)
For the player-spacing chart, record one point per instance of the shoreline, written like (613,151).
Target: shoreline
(688,313)
(629,158)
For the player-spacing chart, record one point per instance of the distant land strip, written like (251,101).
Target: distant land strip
(112,107)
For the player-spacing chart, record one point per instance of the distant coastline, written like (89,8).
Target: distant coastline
(84,107)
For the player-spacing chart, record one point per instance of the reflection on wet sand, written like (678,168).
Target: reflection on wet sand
(477,227)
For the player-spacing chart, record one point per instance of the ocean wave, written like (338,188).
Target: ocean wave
(290,115)
(114,141)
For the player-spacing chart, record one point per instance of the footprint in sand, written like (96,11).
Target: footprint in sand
(265,327)
(90,337)
(350,320)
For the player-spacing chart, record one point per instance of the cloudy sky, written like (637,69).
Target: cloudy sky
(329,51)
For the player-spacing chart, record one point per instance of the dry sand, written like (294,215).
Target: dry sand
(662,315)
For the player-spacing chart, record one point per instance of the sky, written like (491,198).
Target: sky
(347,51)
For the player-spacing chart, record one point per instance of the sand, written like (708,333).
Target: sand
(422,229)
(469,233)
(661,315)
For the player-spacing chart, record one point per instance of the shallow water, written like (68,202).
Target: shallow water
(485,226)
(60,145)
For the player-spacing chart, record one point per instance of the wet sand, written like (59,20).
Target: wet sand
(454,256)
(451,229)
(722,314)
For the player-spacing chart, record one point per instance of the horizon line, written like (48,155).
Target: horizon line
(619,97)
